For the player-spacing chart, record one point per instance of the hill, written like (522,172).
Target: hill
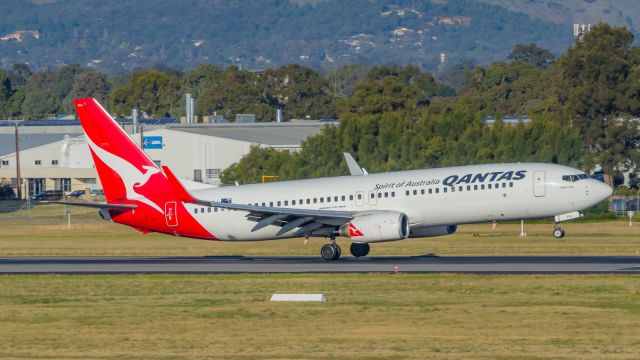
(120,35)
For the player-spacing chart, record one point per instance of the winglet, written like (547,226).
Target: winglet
(354,168)
(178,188)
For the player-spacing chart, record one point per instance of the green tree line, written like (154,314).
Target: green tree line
(583,109)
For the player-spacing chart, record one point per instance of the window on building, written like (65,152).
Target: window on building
(38,162)
(197,175)
(5,162)
(54,162)
(213,173)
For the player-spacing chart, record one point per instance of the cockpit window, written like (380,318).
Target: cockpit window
(574,178)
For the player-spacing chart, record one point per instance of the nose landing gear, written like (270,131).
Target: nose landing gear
(558,232)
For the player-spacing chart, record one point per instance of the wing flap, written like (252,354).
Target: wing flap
(97,205)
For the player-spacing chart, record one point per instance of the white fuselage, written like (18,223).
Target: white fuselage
(432,197)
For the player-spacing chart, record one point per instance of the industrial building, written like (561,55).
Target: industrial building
(58,157)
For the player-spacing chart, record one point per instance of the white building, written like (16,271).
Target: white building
(198,152)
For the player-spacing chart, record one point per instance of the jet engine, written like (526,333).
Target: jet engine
(377,227)
(430,231)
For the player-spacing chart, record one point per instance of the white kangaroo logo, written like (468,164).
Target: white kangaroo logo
(130,175)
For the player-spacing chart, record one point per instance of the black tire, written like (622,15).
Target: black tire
(328,252)
(558,233)
(338,252)
(359,250)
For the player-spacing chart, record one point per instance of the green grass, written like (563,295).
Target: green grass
(366,316)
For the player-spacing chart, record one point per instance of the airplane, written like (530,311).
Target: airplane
(366,208)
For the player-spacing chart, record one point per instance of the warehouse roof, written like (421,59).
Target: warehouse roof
(269,133)
(27,141)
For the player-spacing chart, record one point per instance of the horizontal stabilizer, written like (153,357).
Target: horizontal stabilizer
(97,205)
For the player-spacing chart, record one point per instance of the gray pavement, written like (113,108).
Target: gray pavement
(248,264)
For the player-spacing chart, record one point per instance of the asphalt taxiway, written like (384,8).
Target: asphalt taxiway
(252,264)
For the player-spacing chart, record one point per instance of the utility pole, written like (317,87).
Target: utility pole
(18,178)
(141,138)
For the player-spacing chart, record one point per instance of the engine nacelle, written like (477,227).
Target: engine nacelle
(377,227)
(430,231)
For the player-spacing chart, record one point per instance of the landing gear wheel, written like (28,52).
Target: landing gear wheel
(359,250)
(330,252)
(558,233)
(339,251)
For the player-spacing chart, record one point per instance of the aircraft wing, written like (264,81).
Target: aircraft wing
(354,168)
(318,222)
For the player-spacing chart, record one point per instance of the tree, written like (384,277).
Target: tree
(151,91)
(532,54)
(90,83)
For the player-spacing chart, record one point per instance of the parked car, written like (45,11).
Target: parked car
(48,195)
(98,192)
(76,194)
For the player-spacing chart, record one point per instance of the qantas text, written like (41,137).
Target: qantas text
(482,177)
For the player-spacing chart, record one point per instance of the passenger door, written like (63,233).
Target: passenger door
(539,184)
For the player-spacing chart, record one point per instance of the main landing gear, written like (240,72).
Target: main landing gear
(359,250)
(331,251)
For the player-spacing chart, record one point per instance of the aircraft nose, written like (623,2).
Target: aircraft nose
(601,190)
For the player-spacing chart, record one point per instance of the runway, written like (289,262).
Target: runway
(249,264)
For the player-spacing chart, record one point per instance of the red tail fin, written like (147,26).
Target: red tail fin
(123,168)
(129,176)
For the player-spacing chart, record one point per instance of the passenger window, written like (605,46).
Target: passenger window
(270,203)
(344,198)
(488,186)
(379,195)
(444,190)
(408,192)
(475,187)
(373,195)
(321,200)
(468,187)
(359,197)
(393,194)
(504,185)
(335,198)
(195,211)
(215,209)
(286,203)
(293,202)
(415,192)
(315,200)
(328,198)
(430,191)
(453,189)
(386,194)
(511,184)
(202,210)
(279,203)
(437,190)
(351,197)
(482,187)
(208,209)
(460,188)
